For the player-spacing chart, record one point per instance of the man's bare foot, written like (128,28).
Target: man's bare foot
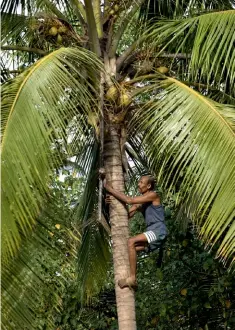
(127,283)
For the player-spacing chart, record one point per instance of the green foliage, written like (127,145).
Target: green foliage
(153,10)
(190,290)
(94,253)
(36,278)
(57,89)
(180,116)
(208,39)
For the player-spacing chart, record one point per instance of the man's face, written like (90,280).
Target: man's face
(143,184)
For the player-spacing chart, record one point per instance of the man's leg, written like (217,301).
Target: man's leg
(136,243)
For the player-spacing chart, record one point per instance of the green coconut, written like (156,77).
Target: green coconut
(125,98)
(53,31)
(59,39)
(62,29)
(162,69)
(112,93)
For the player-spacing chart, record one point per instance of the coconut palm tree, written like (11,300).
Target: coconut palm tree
(100,80)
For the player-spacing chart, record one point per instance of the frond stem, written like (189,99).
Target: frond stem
(80,12)
(125,55)
(79,8)
(93,36)
(147,76)
(98,21)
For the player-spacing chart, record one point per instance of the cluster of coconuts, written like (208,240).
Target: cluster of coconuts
(56,32)
(112,10)
(119,96)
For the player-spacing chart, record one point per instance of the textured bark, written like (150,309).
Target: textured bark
(125,298)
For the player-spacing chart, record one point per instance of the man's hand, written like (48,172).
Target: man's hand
(108,199)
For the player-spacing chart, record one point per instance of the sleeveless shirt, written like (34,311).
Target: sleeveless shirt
(154,217)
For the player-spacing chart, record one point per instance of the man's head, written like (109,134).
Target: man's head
(146,183)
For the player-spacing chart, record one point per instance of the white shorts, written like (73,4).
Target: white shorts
(154,239)
(151,236)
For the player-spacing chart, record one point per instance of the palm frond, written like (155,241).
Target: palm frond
(13,26)
(211,92)
(12,6)
(36,107)
(153,9)
(94,252)
(35,266)
(210,40)
(189,139)
(221,97)
(93,259)
(19,282)
(31,7)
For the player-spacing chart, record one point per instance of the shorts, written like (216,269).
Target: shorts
(155,240)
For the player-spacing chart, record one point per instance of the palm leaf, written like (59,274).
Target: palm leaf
(12,26)
(19,282)
(22,277)
(168,8)
(94,259)
(213,93)
(34,108)
(40,257)
(32,6)
(94,252)
(210,40)
(221,97)
(190,139)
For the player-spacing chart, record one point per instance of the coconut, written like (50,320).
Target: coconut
(112,93)
(62,29)
(116,7)
(124,99)
(162,69)
(53,31)
(59,39)
(184,292)
(112,12)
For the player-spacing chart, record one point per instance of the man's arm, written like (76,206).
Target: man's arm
(133,209)
(150,197)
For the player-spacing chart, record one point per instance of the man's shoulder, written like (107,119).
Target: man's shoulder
(153,193)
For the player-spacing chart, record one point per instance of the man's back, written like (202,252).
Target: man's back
(154,217)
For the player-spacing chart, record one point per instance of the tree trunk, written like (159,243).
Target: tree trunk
(125,298)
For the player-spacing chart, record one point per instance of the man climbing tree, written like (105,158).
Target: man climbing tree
(155,235)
